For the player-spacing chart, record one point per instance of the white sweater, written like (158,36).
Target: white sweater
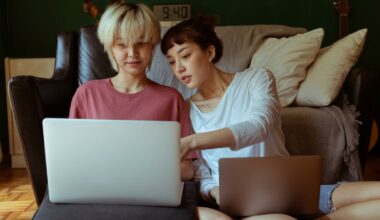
(251,109)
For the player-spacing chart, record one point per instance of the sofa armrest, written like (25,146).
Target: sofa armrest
(32,99)
(360,90)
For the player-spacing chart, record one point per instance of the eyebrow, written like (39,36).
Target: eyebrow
(141,38)
(179,51)
(182,49)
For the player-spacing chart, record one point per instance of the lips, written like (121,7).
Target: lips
(186,79)
(134,62)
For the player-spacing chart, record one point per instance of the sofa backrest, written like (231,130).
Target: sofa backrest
(93,62)
(239,44)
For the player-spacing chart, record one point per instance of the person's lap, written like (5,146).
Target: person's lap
(209,210)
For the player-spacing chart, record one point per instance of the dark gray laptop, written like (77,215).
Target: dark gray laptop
(264,185)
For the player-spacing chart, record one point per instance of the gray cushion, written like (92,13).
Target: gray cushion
(185,211)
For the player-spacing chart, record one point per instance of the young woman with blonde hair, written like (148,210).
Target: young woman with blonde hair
(129,33)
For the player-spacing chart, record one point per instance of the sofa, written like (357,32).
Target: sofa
(321,130)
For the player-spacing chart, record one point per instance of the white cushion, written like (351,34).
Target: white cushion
(325,77)
(288,59)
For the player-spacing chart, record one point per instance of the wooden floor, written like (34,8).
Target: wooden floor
(17,199)
(16,195)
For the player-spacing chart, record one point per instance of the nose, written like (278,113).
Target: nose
(179,68)
(132,51)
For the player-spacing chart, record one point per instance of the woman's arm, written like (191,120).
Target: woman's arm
(203,174)
(207,140)
(77,107)
(258,121)
(263,114)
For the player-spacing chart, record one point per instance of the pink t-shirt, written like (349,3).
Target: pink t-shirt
(97,99)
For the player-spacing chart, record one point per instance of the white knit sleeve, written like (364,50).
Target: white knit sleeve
(203,174)
(264,110)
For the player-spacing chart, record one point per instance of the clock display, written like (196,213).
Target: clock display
(172,12)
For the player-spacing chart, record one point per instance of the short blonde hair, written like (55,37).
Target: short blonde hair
(130,22)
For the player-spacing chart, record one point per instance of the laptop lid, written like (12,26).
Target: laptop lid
(113,161)
(263,185)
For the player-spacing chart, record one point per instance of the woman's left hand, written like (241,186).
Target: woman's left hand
(214,193)
(187,146)
(207,140)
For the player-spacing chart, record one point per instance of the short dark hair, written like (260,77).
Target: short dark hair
(196,31)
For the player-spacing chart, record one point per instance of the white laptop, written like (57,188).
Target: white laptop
(113,161)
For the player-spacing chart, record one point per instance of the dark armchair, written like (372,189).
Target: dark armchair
(33,99)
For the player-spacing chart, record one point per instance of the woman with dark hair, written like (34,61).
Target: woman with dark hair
(239,115)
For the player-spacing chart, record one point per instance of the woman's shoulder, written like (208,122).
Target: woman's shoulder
(255,74)
(94,83)
(255,71)
(166,90)
(167,94)
(92,86)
